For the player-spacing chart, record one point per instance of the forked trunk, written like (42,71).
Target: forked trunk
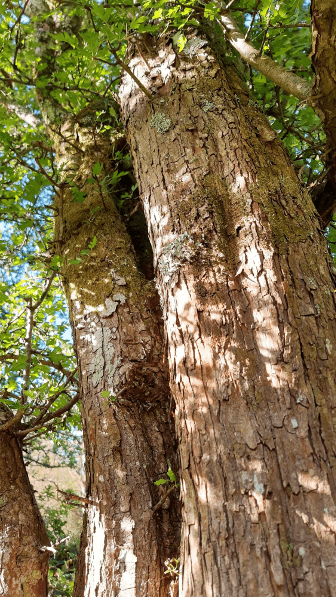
(126,406)
(249,308)
(23,559)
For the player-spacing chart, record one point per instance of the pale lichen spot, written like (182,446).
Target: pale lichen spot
(161,122)
(295,424)
(193,45)
(109,308)
(119,297)
(206,105)
(259,487)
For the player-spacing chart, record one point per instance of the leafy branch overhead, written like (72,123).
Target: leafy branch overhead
(90,45)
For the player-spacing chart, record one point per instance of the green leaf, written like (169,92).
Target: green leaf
(160,482)
(105,394)
(171,475)
(93,243)
(97,168)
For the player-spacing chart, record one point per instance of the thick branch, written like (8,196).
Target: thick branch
(20,111)
(288,81)
(16,419)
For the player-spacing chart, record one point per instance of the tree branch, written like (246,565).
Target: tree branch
(20,111)
(50,417)
(28,343)
(16,419)
(69,496)
(45,292)
(266,66)
(163,499)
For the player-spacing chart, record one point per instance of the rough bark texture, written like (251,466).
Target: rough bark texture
(323,13)
(128,431)
(249,307)
(23,565)
(116,320)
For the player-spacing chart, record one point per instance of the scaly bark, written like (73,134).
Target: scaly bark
(23,560)
(247,287)
(126,406)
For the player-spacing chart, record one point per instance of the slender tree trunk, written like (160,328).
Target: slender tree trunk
(23,562)
(126,406)
(247,286)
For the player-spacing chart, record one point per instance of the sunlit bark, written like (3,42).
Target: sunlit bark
(248,292)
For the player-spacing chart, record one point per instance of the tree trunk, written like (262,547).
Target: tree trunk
(126,406)
(23,562)
(323,16)
(246,283)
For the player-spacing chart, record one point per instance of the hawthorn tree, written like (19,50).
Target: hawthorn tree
(236,178)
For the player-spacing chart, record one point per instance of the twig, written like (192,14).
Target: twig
(138,205)
(263,40)
(127,69)
(252,20)
(43,171)
(53,546)
(56,414)
(163,499)
(72,496)
(45,292)
(229,4)
(18,20)
(28,343)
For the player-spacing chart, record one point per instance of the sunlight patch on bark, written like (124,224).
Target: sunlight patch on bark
(311,482)
(4,557)
(96,584)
